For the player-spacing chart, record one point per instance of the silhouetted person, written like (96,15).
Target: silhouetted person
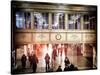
(30,60)
(70,67)
(59,69)
(66,61)
(54,54)
(23,61)
(34,63)
(67,68)
(47,61)
(67,64)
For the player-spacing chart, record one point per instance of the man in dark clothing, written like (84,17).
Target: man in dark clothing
(66,61)
(23,61)
(30,60)
(59,69)
(34,63)
(67,68)
(47,58)
(70,67)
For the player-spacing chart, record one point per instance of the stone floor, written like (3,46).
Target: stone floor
(78,61)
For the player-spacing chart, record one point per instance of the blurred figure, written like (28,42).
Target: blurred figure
(59,69)
(67,64)
(23,61)
(66,61)
(54,55)
(34,62)
(30,60)
(65,49)
(70,67)
(66,68)
(47,61)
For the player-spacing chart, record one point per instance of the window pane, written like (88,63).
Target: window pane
(19,20)
(86,22)
(40,20)
(89,21)
(74,21)
(93,22)
(23,20)
(58,21)
(27,20)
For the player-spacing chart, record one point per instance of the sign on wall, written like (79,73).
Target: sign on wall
(73,37)
(40,37)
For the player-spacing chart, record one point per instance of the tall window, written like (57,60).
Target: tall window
(19,19)
(74,21)
(23,20)
(41,20)
(27,20)
(58,21)
(89,21)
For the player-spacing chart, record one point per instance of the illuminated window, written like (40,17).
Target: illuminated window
(23,20)
(74,21)
(89,21)
(27,20)
(19,20)
(40,20)
(58,21)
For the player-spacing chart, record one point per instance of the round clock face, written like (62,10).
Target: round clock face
(58,36)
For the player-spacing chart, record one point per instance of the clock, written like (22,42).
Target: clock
(58,36)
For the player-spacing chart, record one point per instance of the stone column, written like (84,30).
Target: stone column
(32,20)
(66,21)
(82,22)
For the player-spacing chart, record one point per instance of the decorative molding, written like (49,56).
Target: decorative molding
(40,37)
(89,37)
(23,37)
(74,37)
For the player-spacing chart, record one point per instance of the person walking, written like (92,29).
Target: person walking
(23,61)
(66,61)
(34,62)
(47,61)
